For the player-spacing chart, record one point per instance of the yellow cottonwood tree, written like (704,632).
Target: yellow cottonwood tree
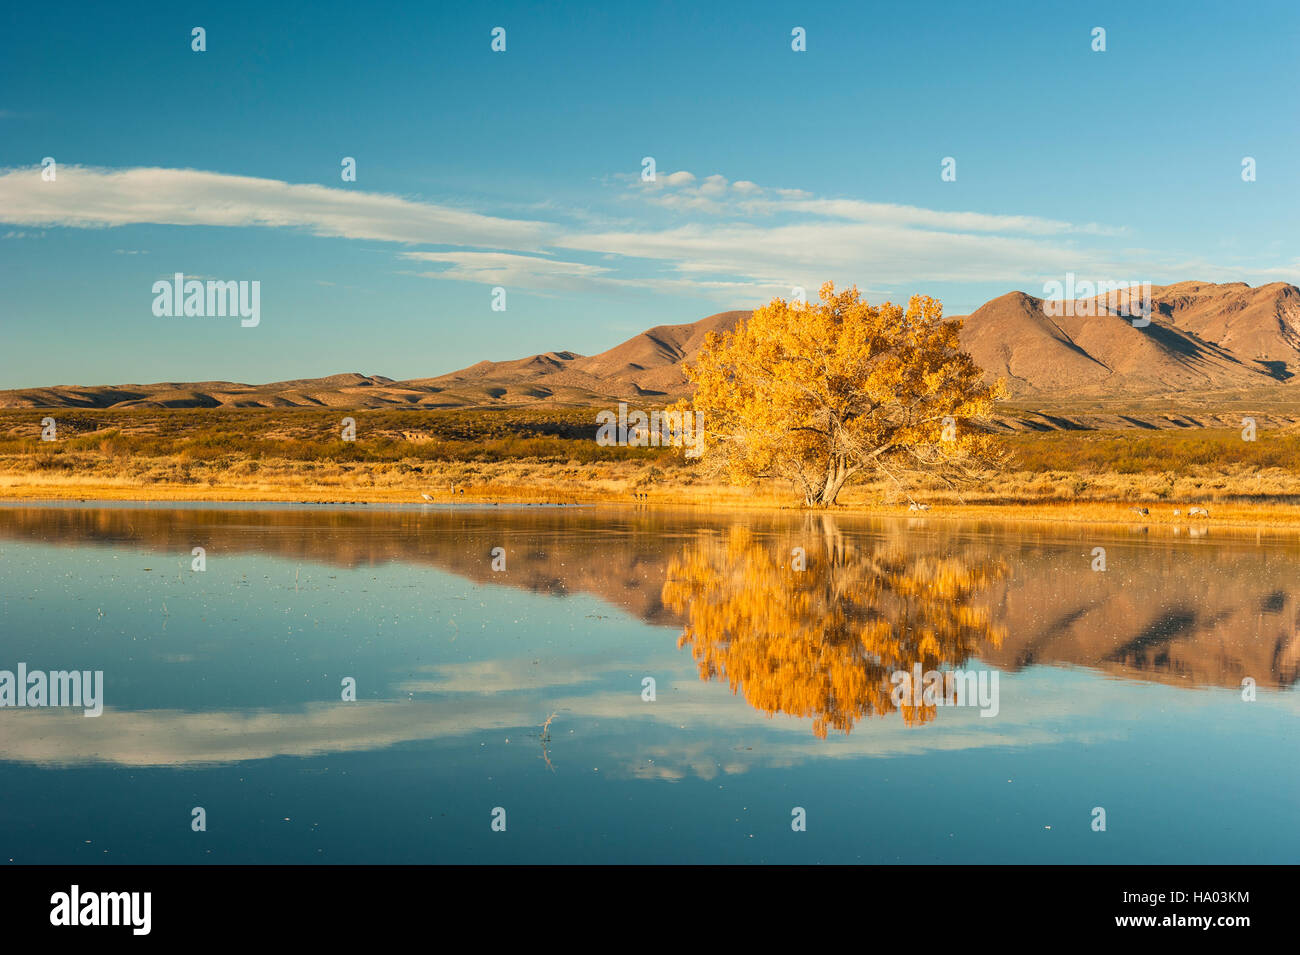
(818,393)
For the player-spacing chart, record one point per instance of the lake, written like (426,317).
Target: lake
(612,684)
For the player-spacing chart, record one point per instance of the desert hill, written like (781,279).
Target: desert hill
(1203,339)
(648,364)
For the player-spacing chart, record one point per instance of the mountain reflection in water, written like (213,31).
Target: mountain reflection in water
(1119,689)
(877,594)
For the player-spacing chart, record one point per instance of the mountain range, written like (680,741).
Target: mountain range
(1203,338)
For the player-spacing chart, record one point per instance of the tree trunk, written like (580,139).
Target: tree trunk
(837,472)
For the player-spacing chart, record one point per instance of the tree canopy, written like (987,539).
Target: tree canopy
(818,393)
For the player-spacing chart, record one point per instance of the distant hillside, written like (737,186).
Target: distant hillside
(646,365)
(1203,339)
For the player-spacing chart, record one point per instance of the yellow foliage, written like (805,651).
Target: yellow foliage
(818,393)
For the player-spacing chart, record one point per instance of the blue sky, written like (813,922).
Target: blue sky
(522,169)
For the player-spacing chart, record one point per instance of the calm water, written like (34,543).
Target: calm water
(772,688)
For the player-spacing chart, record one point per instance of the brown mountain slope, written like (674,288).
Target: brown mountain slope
(647,364)
(1105,354)
(1255,324)
(1012,338)
(1203,338)
(343,391)
(652,360)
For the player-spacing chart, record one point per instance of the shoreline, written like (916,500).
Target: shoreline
(539,456)
(1224,516)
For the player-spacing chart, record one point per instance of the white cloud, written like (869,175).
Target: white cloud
(508,269)
(711,195)
(86,197)
(714,186)
(732,242)
(813,250)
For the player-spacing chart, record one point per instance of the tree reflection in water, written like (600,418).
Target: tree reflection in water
(823,642)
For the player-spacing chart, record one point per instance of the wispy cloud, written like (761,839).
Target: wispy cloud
(716,196)
(508,269)
(86,197)
(734,241)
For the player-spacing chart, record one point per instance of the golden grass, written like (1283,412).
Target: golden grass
(551,456)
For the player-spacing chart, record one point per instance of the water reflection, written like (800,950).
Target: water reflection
(1208,612)
(812,624)
(523,687)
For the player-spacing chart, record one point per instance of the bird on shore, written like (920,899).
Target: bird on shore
(918,507)
(1195,511)
(1140,510)
(426,497)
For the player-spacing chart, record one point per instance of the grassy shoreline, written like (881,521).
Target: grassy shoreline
(855,501)
(550,456)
